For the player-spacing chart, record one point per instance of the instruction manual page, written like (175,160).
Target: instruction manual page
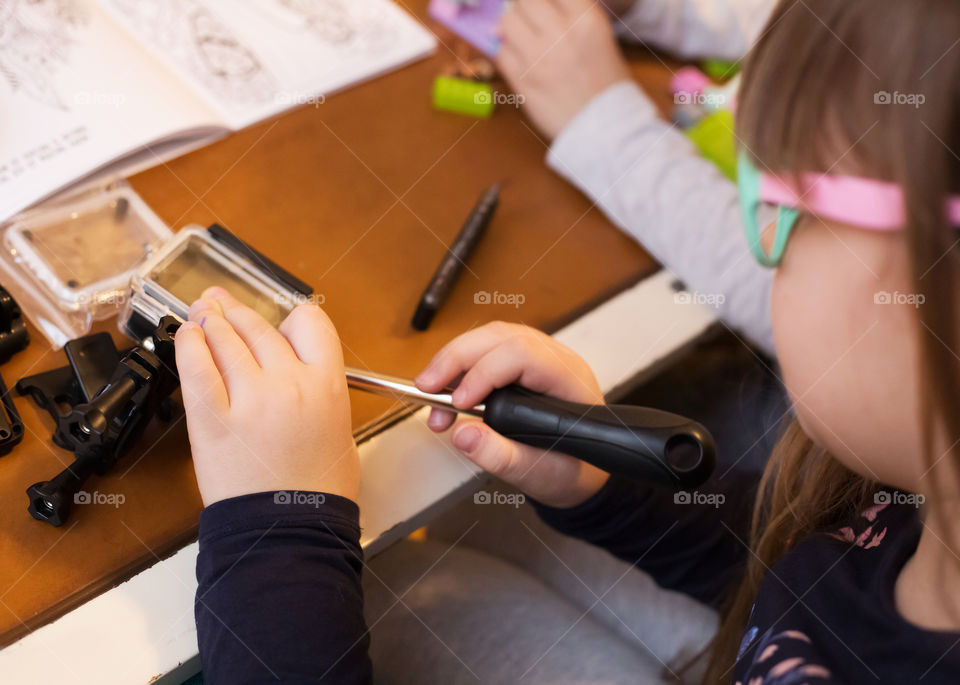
(92,84)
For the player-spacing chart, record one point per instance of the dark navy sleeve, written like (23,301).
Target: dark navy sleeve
(691,542)
(279,596)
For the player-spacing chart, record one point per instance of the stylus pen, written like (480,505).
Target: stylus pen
(446,275)
(636,442)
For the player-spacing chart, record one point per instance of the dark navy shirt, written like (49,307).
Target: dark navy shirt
(279,596)
(824,613)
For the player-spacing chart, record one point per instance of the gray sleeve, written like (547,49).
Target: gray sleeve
(649,180)
(696,28)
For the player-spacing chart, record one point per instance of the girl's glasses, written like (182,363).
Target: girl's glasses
(867,203)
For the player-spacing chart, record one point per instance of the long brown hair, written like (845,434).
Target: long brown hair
(872,88)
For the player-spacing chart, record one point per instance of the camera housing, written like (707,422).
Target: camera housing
(197,258)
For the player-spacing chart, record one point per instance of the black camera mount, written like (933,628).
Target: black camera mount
(106,418)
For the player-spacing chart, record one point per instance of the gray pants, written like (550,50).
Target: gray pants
(495,596)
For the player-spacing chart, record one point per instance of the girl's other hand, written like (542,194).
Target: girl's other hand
(558,55)
(267,408)
(496,355)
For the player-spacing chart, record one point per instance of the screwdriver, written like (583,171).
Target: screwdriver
(637,442)
(644,444)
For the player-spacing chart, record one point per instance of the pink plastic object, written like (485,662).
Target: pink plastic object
(689,80)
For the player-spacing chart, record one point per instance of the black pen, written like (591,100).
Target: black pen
(455,259)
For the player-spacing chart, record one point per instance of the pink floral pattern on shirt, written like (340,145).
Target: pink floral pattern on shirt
(867,538)
(775,661)
(788,671)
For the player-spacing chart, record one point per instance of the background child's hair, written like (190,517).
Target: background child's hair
(815,98)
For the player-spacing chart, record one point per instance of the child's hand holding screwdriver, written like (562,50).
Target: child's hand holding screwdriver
(494,356)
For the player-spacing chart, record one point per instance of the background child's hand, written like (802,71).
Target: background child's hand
(499,354)
(558,54)
(267,408)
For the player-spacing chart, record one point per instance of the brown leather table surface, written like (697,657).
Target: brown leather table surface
(359,197)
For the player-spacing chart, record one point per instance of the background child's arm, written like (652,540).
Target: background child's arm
(279,594)
(694,29)
(648,179)
(559,54)
(609,141)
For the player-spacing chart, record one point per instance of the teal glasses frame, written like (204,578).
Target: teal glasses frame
(866,203)
(748,180)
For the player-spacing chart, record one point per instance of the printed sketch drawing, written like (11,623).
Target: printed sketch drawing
(342,23)
(188,32)
(35,39)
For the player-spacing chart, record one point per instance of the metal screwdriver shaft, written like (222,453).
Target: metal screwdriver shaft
(637,442)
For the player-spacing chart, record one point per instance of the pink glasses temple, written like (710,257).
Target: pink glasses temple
(859,201)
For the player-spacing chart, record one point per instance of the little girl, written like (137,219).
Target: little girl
(849,119)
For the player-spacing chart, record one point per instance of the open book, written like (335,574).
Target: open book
(92,84)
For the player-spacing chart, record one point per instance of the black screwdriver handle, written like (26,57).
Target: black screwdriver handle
(640,443)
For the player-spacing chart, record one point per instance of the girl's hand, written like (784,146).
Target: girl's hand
(267,408)
(496,355)
(559,55)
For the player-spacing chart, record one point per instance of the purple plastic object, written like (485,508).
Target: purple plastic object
(473,20)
